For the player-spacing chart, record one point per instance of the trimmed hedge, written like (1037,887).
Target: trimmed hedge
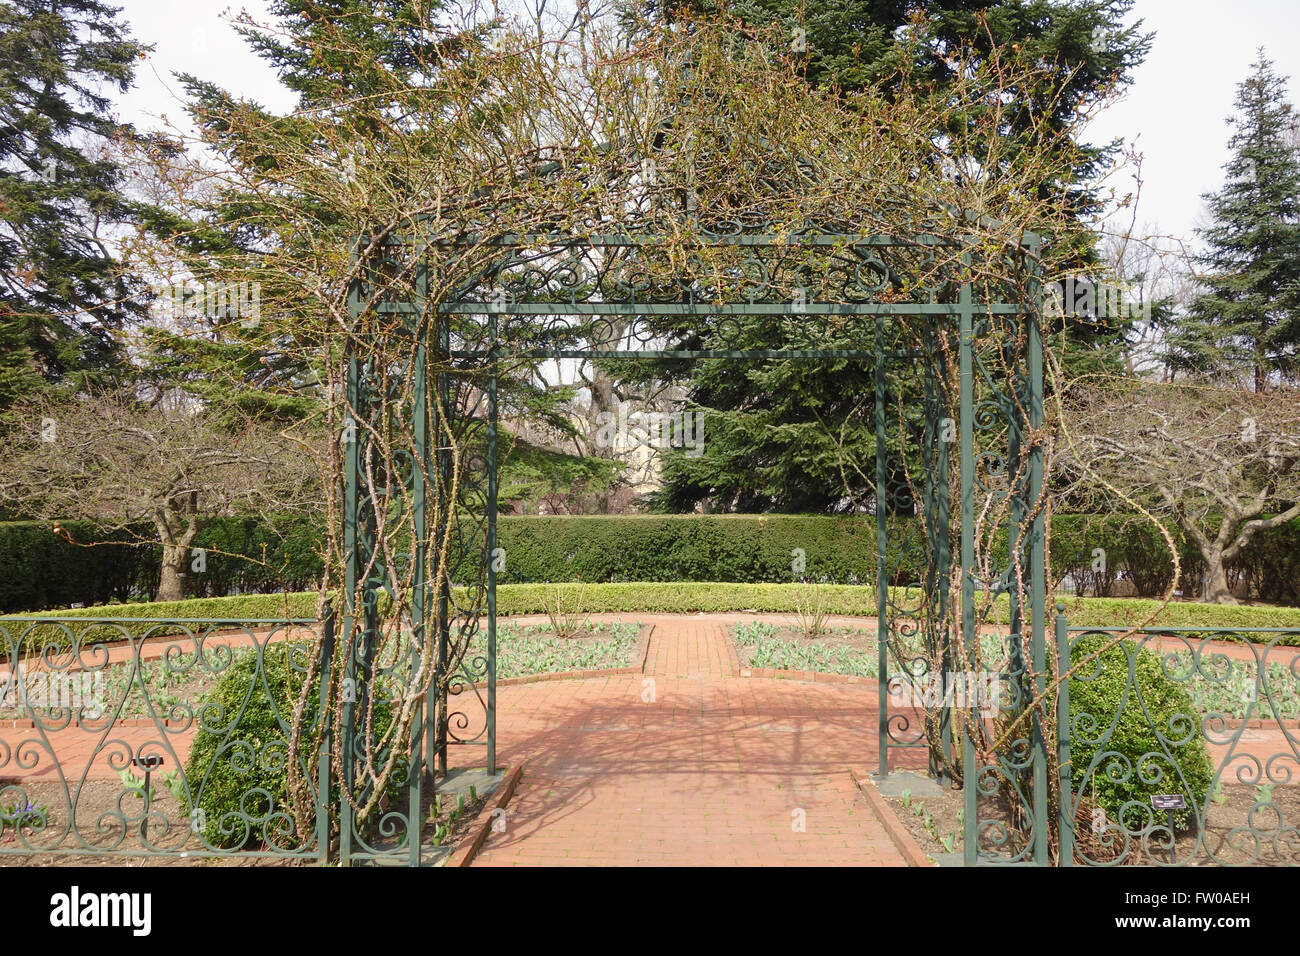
(38,570)
(678,597)
(719,548)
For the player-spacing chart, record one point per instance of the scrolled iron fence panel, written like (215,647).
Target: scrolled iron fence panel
(1209,716)
(90,705)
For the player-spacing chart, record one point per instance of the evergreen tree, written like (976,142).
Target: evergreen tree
(784,435)
(1246,325)
(62,297)
(331,53)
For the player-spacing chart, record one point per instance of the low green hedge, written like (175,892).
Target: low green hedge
(678,597)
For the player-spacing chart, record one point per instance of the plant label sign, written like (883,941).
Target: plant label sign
(1168,801)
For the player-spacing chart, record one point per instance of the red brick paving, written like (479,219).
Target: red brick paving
(689,764)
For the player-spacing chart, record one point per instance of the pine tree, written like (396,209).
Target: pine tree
(62,297)
(782,435)
(1246,325)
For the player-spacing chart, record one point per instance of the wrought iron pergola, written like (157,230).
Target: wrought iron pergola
(558,296)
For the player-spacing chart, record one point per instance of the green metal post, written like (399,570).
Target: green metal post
(420,568)
(969,637)
(492,546)
(326,739)
(936,519)
(1037,564)
(882,580)
(433,702)
(447,511)
(1065,795)
(352,436)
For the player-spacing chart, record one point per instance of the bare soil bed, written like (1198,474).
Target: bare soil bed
(1228,838)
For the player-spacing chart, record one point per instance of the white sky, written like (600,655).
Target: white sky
(1174,112)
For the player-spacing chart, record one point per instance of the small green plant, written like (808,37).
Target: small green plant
(473,793)
(26,815)
(812,607)
(564,606)
(1218,796)
(132,782)
(175,785)
(948,841)
(237,764)
(907,798)
(1147,736)
(1264,793)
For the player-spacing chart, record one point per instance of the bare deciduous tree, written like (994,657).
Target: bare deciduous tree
(120,461)
(1224,464)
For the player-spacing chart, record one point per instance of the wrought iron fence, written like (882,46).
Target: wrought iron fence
(1168,747)
(169,738)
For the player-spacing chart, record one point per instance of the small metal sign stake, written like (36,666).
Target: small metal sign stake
(1169,802)
(147,764)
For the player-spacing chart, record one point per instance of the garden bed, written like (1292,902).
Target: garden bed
(1244,826)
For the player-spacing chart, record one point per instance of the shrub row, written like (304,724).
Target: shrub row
(681,597)
(40,570)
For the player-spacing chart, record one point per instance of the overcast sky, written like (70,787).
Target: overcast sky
(1174,113)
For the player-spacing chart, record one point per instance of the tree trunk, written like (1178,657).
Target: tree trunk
(1216,574)
(171,584)
(177,524)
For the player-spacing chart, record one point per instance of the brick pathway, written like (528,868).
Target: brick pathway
(689,764)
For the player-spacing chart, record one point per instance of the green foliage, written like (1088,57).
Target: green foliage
(789,436)
(237,765)
(1119,703)
(1247,323)
(688,597)
(251,555)
(246,555)
(63,296)
(24,815)
(749,548)
(94,566)
(523,651)
(43,569)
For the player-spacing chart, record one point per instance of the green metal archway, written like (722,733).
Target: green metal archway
(563,297)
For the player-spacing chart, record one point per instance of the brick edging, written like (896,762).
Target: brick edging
(482,824)
(642,652)
(901,837)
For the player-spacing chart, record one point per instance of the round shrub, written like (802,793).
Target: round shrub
(238,765)
(1154,745)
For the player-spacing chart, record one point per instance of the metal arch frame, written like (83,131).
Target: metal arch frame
(492,315)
